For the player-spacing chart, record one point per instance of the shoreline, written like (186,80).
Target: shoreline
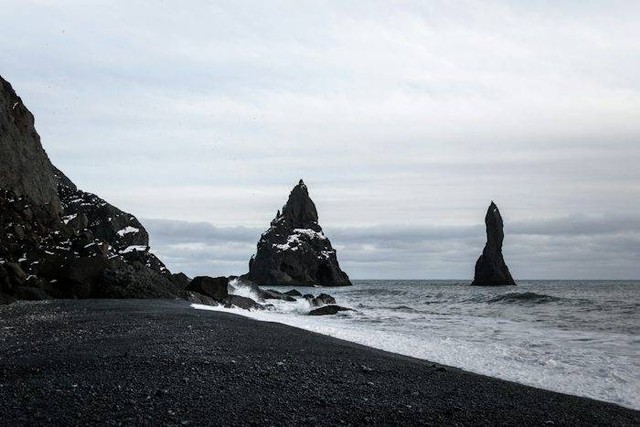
(263,316)
(133,361)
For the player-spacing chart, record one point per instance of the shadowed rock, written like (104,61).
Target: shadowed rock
(294,250)
(69,243)
(244,303)
(25,168)
(213,287)
(328,310)
(491,269)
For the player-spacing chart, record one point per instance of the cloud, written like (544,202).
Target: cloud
(569,248)
(398,115)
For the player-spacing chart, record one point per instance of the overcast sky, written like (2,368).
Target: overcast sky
(404,118)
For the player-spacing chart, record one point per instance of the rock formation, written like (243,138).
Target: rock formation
(24,165)
(57,241)
(491,269)
(294,250)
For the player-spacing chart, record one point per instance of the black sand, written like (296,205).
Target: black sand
(160,362)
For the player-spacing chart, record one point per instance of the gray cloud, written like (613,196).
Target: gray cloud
(596,247)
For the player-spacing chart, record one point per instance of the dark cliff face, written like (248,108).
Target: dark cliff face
(491,270)
(61,242)
(294,250)
(25,168)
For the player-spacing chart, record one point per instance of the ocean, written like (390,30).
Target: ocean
(575,337)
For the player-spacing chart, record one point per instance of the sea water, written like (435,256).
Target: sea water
(575,337)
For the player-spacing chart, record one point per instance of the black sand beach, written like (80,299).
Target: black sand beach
(128,362)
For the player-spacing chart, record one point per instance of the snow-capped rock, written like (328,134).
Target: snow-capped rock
(294,250)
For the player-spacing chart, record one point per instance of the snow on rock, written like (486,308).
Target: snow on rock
(133,248)
(128,230)
(294,250)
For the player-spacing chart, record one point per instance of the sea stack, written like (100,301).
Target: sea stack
(491,269)
(294,250)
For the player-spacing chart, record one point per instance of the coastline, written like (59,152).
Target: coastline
(161,361)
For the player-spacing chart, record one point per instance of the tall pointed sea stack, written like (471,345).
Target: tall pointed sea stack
(491,269)
(294,250)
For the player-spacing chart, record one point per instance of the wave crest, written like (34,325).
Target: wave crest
(524,297)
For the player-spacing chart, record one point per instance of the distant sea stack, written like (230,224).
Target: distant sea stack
(294,250)
(57,241)
(491,269)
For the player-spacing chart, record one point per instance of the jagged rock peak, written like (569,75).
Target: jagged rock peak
(25,168)
(491,270)
(300,211)
(294,250)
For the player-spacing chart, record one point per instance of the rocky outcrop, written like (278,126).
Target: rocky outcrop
(57,241)
(294,250)
(491,269)
(213,287)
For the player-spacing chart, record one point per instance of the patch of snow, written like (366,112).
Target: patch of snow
(128,230)
(134,248)
(327,254)
(69,218)
(310,233)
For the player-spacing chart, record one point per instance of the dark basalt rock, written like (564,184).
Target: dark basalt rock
(57,241)
(491,269)
(197,298)
(214,287)
(328,310)
(181,280)
(273,294)
(24,166)
(294,250)
(293,293)
(323,299)
(242,302)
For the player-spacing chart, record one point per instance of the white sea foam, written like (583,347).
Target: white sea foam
(525,337)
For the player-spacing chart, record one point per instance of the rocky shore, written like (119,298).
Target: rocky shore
(66,362)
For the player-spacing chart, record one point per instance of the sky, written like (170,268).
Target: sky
(405,119)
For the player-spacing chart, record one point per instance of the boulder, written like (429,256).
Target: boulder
(294,250)
(293,293)
(328,310)
(242,302)
(197,298)
(323,299)
(214,287)
(273,294)
(124,280)
(491,270)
